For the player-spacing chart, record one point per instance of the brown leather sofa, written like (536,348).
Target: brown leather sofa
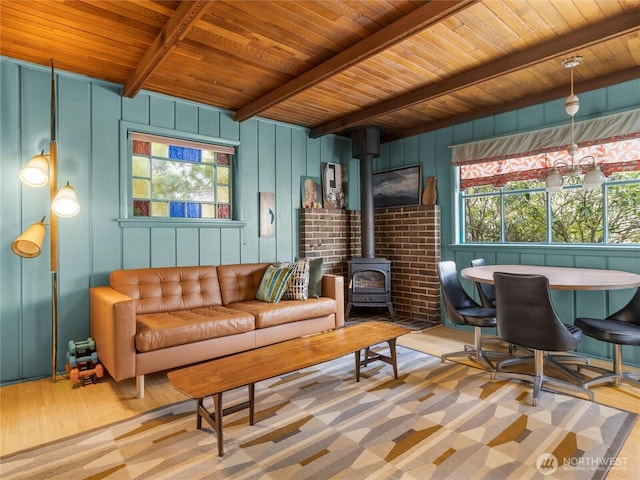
(154,319)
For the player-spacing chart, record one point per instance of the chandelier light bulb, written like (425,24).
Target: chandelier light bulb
(593,178)
(554,181)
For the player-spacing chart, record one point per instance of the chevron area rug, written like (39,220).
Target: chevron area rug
(437,421)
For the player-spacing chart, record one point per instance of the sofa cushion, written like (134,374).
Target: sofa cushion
(286,311)
(239,283)
(273,284)
(168,329)
(168,288)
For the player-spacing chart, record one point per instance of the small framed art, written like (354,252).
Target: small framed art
(311,192)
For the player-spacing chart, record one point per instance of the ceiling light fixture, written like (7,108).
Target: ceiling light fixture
(573,168)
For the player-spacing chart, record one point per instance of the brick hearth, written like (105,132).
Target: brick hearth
(407,236)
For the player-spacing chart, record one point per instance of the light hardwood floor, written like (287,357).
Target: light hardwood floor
(41,411)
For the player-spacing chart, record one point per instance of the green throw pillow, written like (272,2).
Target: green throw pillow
(273,284)
(315,277)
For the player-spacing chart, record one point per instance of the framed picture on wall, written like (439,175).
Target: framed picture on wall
(334,185)
(267,214)
(397,187)
(311,192)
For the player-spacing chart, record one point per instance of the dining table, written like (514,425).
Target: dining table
(560,278)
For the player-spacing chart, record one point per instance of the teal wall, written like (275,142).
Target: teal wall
(272,157)
(432,150)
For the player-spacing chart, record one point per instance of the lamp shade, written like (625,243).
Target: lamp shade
(593,178)
(29,244)
(553,183)
(36,172)
(65,204)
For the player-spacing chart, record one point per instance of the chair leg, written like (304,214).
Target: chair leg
(540,381)
(617,376)
(476,353)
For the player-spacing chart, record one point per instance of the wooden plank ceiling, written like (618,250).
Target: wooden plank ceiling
(405,66)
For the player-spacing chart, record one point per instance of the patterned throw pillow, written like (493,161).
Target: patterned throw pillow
(298,288)
(273,284)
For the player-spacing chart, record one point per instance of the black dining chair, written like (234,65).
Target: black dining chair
(526,317)
(461,309)
(620,328)
(486,291)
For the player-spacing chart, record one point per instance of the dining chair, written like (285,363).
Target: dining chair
(526,317)
(620,328)
(461,309)
(486,291)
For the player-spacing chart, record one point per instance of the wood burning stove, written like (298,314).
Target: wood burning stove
(369,284)
(369,277)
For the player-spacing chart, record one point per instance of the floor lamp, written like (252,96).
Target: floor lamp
(39,171)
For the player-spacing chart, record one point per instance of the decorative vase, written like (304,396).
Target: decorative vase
(430,194)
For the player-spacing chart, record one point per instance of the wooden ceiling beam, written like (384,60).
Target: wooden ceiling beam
(178,26)
(549,95)
(588,36)
(416,21)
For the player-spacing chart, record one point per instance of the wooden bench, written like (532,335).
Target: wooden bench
(211,379)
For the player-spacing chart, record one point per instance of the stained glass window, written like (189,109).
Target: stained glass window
(173,178)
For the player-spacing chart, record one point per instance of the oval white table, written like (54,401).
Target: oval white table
(560,278)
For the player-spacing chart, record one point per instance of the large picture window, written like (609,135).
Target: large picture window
(503,200)
(174,178)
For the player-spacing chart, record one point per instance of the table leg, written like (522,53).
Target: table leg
(357,353)
(199,408)
(217,402)
(252,402)
(394,358)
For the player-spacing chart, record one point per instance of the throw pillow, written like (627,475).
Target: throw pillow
(273,284)
(298,288)
(315,277)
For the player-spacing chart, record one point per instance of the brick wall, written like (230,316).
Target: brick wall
(408,236)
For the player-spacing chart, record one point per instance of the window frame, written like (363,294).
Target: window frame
(501,192)
(127,219)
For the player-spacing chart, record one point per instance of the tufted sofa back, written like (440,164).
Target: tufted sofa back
(168,288)
(239,283)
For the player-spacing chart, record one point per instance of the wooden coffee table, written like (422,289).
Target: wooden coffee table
(213,378)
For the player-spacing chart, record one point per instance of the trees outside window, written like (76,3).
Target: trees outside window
(523,212)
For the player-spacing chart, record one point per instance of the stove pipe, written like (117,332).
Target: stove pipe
(365,146)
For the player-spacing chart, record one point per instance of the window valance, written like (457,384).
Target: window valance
(607,129)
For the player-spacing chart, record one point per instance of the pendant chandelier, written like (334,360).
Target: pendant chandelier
(573,167)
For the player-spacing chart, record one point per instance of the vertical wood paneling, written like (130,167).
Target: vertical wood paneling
(136,109)
(267,183)
(210,249)
(248,171)
(136,248)
(209,122)
(229,246)
(10,225)
(186,117)
(186,239)
(283,186)
(104,205)
(74,165)
(298,169)
(163,247)
(161,112)
(35,323)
